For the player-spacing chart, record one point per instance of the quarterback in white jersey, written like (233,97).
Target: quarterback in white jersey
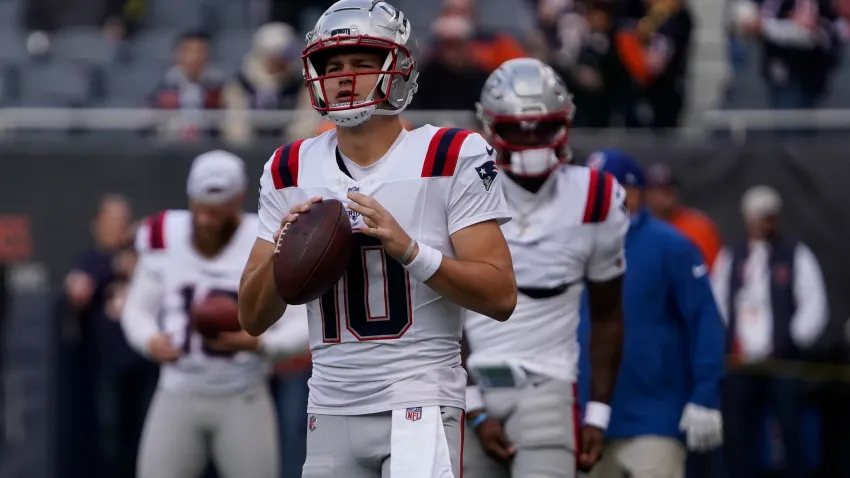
(212,393)
(388,388)
(568,228)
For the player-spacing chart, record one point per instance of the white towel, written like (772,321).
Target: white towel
(418,445)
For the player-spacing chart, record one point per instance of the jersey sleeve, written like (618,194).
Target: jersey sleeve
(271,205)
(150,236)
(143,302)
(608,259)
(476,193)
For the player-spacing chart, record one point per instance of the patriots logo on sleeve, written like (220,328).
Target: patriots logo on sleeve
(260,198)
(487,172)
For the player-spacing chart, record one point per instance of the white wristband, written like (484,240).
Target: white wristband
(597,415)
(425,264)
(474,398)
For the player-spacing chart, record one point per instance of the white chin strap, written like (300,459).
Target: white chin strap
(352,117)
(533,162)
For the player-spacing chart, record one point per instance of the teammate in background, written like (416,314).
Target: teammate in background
(212,398)
(668,388)
(568,228)
(387,390)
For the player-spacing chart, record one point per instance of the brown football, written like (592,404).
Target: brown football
(313,252)
(216,313)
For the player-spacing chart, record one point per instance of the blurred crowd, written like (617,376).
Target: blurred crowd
(626,61)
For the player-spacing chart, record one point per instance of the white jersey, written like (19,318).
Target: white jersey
(573,229)
(381,340)
(170,276)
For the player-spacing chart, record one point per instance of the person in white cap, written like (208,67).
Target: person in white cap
(771,294)
(212,399)
(269,79)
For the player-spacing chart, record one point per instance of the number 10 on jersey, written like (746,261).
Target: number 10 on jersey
(373,298)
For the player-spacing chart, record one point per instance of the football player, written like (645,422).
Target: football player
(212,394)
(387,390)
(568,229)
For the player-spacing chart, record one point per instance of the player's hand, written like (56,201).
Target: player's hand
(293,215)
(234,342)
(381,224)
(590,448)
(492,437)
(162,350)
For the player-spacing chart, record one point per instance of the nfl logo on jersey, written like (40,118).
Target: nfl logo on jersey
(311,423)
(414,414)
(353,215)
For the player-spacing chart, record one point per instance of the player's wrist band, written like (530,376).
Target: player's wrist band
(474,398)
(409,252)
(478,420)
(425,264)
(598,415)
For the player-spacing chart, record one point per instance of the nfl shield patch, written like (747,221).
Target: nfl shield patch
(311,423)
(414,414)
(353,215)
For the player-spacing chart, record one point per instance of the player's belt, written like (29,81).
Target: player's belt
(541,293)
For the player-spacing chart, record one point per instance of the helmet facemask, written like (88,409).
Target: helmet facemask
(388,96)
(530,145)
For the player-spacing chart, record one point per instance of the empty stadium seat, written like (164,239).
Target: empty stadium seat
(154,45)
(231,46)
(55,83)
(182,15)
(85,44)
(128,85)
(13,45)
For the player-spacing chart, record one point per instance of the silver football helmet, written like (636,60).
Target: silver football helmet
(366,24)
(526,112)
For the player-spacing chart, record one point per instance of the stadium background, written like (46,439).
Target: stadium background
(84,113)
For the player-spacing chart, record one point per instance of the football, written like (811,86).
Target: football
(217,313)
(313,252)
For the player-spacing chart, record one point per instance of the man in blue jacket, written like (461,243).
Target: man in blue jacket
(667,395)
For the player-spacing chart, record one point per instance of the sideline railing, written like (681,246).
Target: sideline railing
(129,119)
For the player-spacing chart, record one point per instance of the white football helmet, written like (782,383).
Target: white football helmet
(526,112)
(366,24)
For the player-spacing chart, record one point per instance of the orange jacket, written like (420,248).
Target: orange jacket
(699,228)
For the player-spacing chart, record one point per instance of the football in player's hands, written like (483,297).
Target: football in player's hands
(216,313)
(312,251)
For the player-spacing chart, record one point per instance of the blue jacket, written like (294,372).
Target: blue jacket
(674,337)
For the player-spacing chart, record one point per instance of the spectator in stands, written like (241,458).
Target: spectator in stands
(119,381)
(270,79)
(662,197)
(800,49)
(449,81)
(655,50)
(842,25)
(601,83)
(772,296)
(118,18)
(488,48)
(191,85)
